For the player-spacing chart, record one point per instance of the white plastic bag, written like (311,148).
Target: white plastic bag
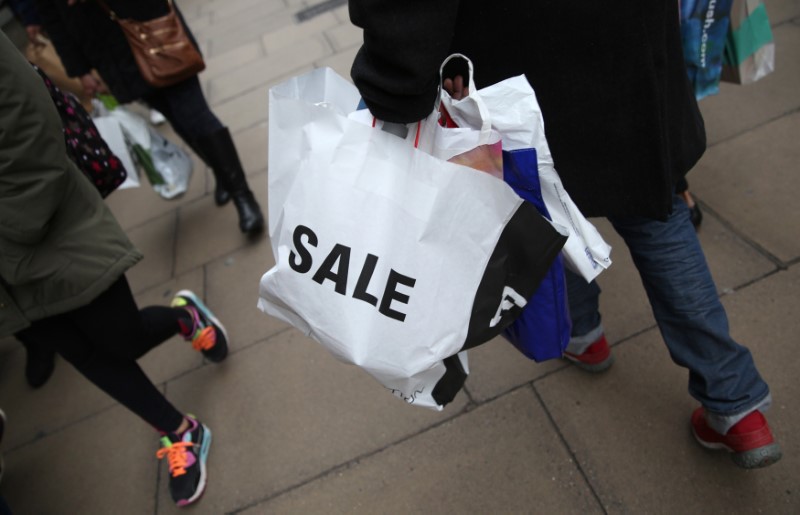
(172,164)
(394,260)
(513,111)
(111,131)
(167,166)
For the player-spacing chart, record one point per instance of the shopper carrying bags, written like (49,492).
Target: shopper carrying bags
(86,38)
(63,259)
(623,127)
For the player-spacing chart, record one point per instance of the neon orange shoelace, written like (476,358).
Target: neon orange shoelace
(204,339)
(176,457)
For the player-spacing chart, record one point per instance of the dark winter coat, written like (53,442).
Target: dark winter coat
(620,119)
(60,246)
(85,38)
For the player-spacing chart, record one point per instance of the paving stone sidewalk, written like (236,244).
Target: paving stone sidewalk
(296,431)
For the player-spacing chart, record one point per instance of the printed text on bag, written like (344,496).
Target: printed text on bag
(336,267)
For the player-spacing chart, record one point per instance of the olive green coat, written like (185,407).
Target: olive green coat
(60,246)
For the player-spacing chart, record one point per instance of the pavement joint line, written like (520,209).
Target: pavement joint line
(742,236)
(754,127)
(318,9)
(41,434)
(175,225)
(573,457)
(347,464)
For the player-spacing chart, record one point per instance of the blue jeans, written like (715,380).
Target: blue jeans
(690,316)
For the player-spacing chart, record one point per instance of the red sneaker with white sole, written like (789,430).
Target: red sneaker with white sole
(596,358)
(750,441)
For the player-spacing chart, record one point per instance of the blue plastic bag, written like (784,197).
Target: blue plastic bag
(704,29)
(543,329)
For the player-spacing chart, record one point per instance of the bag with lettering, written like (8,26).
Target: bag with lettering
(392,259)
(704,26)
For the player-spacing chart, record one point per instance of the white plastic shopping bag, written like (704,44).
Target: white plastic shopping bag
(511,108)
(392,259)
(172,166)
(167,166)
(111,131)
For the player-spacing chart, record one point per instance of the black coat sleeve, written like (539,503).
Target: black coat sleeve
(397,68)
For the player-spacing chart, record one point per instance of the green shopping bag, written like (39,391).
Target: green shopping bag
(749,49)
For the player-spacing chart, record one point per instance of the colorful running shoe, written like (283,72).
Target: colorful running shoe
(186,455)
(207,334)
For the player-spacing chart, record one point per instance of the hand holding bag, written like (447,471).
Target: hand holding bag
(163,51)
(392,259)
(44,55)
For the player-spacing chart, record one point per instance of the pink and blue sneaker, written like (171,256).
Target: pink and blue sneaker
(186,455)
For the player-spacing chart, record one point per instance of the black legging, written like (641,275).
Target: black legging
(185,107)
(104,339)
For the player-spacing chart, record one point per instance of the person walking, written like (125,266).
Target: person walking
(63,259)
(623,127)
(86,39)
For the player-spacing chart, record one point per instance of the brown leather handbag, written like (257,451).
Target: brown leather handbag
(163,51)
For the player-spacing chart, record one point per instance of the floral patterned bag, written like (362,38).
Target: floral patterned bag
(84,144)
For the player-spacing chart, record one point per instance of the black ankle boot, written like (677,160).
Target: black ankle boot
(221,195)
(39,363)
(220,153)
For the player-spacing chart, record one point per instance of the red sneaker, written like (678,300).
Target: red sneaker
(596,358)
(750,440)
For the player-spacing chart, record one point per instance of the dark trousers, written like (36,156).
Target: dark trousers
(103,340)
(185,107)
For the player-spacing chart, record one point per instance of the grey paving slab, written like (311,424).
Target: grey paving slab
(252,146)
(496,368)
(283,412)
(73,470)
(244,27)
(231,60)
(233,281)
(292,34)
(207,231)
(629,427)
(781,11)
(263,71)
(733,261)
(244,111)
(503,457)
(752,181)
(766,317)
(344,36)
(65,399)
(156,241)
(341,62)
(739,108)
